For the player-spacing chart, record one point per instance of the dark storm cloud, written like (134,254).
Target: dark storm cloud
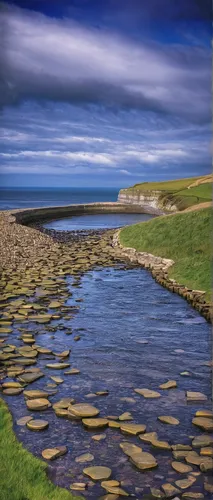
(59,60)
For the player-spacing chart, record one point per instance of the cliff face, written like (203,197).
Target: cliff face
(153,202)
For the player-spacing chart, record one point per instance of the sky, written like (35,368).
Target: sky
(104,92)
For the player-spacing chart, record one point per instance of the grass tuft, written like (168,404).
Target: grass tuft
(23,476)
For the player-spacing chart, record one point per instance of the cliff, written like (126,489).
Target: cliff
(152,202)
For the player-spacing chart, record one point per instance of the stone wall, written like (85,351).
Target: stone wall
(159,268)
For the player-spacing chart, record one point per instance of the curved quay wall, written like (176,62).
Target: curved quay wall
(28,216)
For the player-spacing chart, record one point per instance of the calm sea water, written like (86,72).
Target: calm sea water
(41,197)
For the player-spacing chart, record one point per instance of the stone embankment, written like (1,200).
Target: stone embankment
(159,269)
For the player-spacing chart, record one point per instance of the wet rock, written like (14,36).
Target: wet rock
(170,490)
(163,445)
(179,447)
(171,384)
(195,396)
(35,394)
(165,419)
(143,460)
(130,448)
(99,437)
(193,458)
(114,425)
(73,371)
(125,416)
(202,440)
(12,392)
(180,467)
(37,424)
(115,490)
(208,451)
(204,413)
(86,457)
(206,464)
(133,429)
(52,453)
(28,378)
(147,393)
(95,423)
(82,410)
(98,473)
(39,404)
(63,403)
(23,420)
(183,484)
(78,486)
(57,380)
(205,424)
(192,495)
(57,366)
(148,436)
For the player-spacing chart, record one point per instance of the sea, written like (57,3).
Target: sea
(43,197)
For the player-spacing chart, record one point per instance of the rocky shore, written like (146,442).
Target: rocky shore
(35,301)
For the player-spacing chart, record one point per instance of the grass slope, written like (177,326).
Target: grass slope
(22,476)
(185,238)
(182,193)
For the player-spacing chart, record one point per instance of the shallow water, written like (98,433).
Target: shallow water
(120,310)
(96,221)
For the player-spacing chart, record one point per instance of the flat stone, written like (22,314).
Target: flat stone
(171,384)
(195,396)
(204,413)
(82,410)
(182,468)
(37,425)
(147,393)
(35,394)
(57,380)
(156,493)
(57,366)
(133,429)
(192,495)
(110,482)
(115,490)
(181,447)
(78,486)
(61,412)
(13,392)
(143,460)
(11,385)
(202,440)
(73,371)
(98,473)
(193,458)
(170,490)
(163,445)
(148,437)
(52,453)
(23,420)
(63,354)
(28,378)
(86,457)
(208,484)
(102,393)
(99,437)
(95,423)
(206,464)
(128,400)
(208,451)
(38,404)
(63,403)
(183,484)
(205,424)
(125,416)
(168,420)
(130,448)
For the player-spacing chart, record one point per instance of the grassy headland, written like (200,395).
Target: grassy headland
(182,193)
(185,238)
(22,476)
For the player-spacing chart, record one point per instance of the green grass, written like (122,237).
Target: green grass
(185,238)
(22,476)
(177,192)
(166,185)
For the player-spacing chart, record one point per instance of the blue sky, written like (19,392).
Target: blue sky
(104,92)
